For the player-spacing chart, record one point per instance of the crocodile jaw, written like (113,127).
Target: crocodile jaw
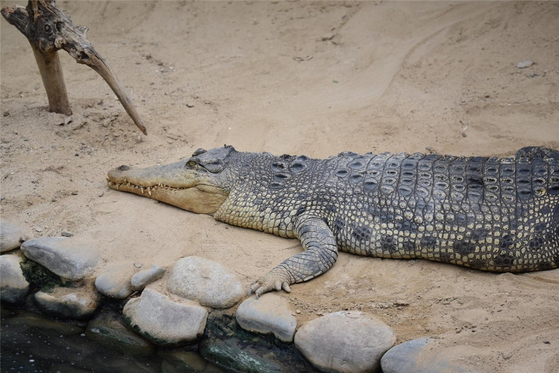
(173,184)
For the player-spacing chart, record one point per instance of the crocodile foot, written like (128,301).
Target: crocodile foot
(273,280)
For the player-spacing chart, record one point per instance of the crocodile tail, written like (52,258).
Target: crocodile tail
(537,152)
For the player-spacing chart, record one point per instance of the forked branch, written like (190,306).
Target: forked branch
(49,29)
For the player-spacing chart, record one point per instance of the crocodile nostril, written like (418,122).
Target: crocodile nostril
(124,168)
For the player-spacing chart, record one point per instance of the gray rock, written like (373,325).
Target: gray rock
(270,313)
(164,321)
(231,354)
(115,282)
(205,281)
(65,257)
(13,286)
(142,279)
(74,303)
(11,235)
(345,342)
(524,64)
(109,329)
(411,357)
(229,345)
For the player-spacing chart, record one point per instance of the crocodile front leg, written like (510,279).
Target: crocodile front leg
(321,252)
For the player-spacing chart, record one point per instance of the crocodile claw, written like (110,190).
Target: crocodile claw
(266,284)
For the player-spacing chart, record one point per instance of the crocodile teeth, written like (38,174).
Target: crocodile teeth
(149,191)
(142,189)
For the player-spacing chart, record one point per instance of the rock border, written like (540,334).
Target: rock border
(260,335)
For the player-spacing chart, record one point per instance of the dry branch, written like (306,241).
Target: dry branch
(49,29)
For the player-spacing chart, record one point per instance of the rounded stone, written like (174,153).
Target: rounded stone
(11,235)
(66,257)
(205,281)
(270,313)
(164,321)
(73,303)
(115,282)
(142,279)
(403,358)
(347,341)
(13,285)
(413,357)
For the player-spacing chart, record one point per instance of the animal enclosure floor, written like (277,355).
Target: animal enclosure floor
(313,78)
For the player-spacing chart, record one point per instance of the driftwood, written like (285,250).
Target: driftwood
(49,29)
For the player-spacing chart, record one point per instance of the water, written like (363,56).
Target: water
(31,342)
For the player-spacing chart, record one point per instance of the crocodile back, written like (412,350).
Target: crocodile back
(495,214)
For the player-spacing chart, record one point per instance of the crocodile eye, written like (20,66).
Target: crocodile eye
(191,164)
(47,28)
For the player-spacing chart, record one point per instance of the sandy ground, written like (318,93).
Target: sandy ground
(295,77)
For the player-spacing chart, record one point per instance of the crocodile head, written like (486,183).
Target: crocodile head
(199,184)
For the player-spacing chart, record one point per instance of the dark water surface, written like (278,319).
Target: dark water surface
(31,342)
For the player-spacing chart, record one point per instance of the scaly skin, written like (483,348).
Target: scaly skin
(491,214)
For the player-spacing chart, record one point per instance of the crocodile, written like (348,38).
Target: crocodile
(497,214)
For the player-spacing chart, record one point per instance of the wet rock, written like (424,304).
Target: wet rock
(40,277)
(230,354)
(73,303)
(270,313)
(188,361)
(11,235)
(27,335)
(63,256)
(178,361)
(64,346)
(115,282)
(13,286)
(345,342)
(121,364)
(205,281)
(142,279)
(165,321)
(411,357)
(109,329)
(230,346)
(26,320)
